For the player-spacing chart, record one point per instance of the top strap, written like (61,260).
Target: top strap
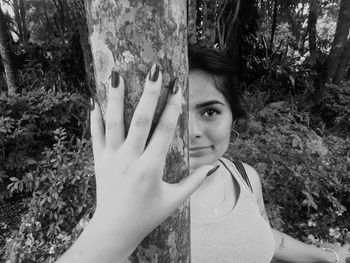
(240,168)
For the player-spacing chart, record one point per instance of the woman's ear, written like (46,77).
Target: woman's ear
(233,124)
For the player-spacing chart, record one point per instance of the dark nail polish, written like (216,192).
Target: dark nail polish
(174,86)
(153,76)
(92,104)
(212,170)
(115,79)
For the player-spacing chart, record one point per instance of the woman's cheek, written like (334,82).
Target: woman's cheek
(220,133)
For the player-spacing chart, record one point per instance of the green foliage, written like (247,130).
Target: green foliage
(274,70)
(27,125)
(334,110)
(45,155)
(56,66)
(63,197)
(305,177)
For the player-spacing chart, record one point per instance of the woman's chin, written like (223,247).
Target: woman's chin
(196,162)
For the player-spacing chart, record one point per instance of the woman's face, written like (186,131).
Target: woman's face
(210,120)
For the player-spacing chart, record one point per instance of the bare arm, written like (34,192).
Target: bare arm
(287,248)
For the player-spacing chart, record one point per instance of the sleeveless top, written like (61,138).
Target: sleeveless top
(241,236)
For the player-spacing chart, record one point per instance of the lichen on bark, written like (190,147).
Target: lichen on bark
(128,36)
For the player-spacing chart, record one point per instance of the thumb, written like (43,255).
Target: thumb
(188,185)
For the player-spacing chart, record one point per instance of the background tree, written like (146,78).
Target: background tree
(20,10)
(338,58)
(6,57)
(207,14)
(311,28)
(192,22)
(128,37)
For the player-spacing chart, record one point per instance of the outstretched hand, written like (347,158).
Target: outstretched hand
(132,198)
(343,252)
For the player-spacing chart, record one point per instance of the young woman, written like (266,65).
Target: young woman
(228,219)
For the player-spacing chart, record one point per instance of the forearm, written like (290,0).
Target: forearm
(98,243)
(291,250)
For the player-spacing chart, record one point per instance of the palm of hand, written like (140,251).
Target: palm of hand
(130,189)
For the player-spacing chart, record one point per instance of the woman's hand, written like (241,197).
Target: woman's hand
(132,198)
(343,252)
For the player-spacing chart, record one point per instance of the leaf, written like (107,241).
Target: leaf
(31,161)
(14,179)
(292,80)
(295,142)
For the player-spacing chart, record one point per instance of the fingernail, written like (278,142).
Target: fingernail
(212,170)
(115,79)
(175,86)
(92,104)
(153,76)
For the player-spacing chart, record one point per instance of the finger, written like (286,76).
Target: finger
(143,115)
(97,128)
(165,129)
(115,132)
(182,190)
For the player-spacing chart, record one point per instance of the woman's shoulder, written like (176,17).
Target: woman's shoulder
(252,174)
(255,181)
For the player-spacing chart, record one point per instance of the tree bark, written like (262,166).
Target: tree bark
(340,40)
(127,36)
(311,28)
(60,19)
(79,16)
(16,12)
(192,22)
(210,14)
(6,58)
(23,9)
(343,68)
(274,22)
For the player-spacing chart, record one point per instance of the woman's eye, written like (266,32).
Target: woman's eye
(210,113)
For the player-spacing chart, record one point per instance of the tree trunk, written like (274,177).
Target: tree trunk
(210,13)
(192,22)
(226,22)
(60,19)
(16,12)
(343,68)
(127,36)
(274,22)
(6,58)
(311,28)
(340,40)
(23,9)
(79,15)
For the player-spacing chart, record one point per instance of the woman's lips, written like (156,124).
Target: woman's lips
(198,151)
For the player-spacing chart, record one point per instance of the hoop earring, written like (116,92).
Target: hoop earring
(234,135)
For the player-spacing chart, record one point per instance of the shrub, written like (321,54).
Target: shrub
(56,66)
(273,70)
(44,154)
(26,128)
(63,197)
(304,177)
(334,109)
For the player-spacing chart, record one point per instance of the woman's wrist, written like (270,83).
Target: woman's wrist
(99,242)
(331,255)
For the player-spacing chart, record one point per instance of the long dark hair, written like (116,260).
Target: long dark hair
(221,69)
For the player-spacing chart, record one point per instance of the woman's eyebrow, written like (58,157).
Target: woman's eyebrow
(208,103)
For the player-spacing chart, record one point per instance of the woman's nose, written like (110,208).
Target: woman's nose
(195,128)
